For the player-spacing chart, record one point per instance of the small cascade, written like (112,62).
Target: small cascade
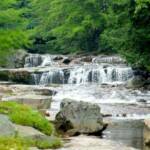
(33,60)
(36,78)
(55,76)
(99,74)
(47,61)
(102,69)
(37,60)
(108,59)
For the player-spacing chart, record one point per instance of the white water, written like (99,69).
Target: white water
(99,74)
(100,81)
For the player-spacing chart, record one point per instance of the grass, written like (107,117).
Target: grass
(12,143)
(25,115)
(18,143)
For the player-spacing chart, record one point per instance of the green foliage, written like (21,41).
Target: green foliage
(19,143)
(24,115)
(72,26)
(69,25)
(15,143)
(128,31)
(13,31)
(48,143)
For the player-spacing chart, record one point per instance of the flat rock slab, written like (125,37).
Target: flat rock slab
(93,143)
(6,126)
(35,101)
(26,131)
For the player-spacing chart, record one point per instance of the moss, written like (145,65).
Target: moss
(18,143)
(25,115)
(50,142)
(14,143)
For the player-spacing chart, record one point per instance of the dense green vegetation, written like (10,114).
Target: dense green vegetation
(73,26)
(24,115)
(13,23)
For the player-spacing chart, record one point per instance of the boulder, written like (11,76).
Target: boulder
(19,59)
(66,61)
(6,126)
(79,117)
(20,76)
(16,75)
(136,82)
(147,134)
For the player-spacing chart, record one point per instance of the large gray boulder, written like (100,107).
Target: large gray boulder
(6,126)
(79,117)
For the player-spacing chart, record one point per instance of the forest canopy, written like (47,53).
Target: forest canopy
(75,26)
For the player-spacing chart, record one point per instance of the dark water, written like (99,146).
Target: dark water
(128,132)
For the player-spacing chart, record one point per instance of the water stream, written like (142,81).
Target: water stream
(103,81)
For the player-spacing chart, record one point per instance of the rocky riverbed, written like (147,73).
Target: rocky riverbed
(105,81)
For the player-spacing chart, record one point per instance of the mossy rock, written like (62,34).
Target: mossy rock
(25,115)
(20,76)
(4,75)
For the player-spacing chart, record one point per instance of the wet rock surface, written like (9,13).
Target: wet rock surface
(106,81)
(34,96)
(93,143)
(79,117)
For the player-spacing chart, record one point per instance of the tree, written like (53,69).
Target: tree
(69,25)
(13,34)
(128,32)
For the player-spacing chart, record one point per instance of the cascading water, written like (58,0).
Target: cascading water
(101,70)
(53,76)
(100,81)
(99,74)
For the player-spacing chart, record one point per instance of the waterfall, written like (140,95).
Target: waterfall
(102,69)
(33,60)
(53,76)
(47,61)
(37,60)
(99,74)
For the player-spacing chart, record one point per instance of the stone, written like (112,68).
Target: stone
(87,59)
(27,132)
(44,91)
(79,117)
(6,126)
(66,61)
(93,143)
(136,82)
(20,76)
(57,58)
(19,59)
(36,101)
(147,133)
